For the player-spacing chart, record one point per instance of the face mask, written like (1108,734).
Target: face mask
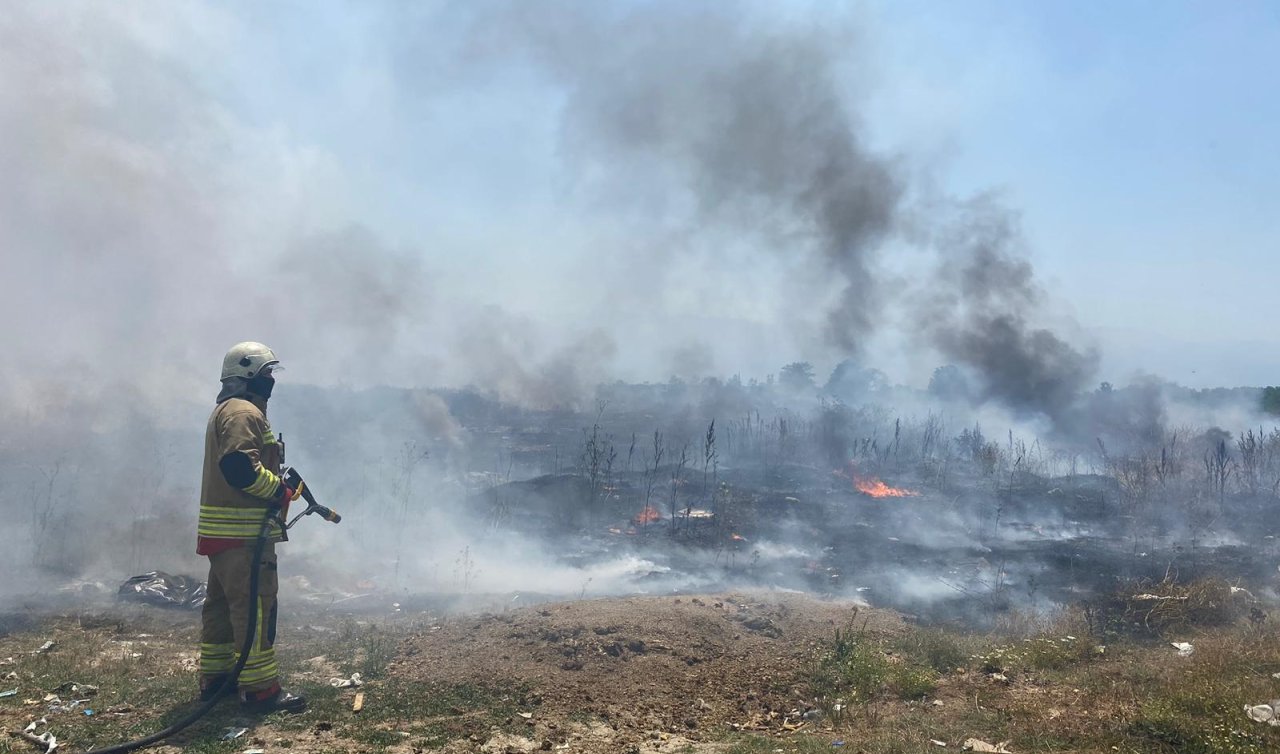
(262,385)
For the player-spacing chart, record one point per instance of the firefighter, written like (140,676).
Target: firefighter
(242,459)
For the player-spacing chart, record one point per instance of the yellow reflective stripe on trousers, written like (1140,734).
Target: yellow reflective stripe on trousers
(261,667)
(265,485)
(233,523)
(217,658)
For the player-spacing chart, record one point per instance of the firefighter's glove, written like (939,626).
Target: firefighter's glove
(287,495)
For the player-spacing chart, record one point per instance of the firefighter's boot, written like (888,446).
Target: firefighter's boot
(274,699)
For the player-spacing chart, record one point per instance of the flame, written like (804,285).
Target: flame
(646,516)
(876,488)
(737,538)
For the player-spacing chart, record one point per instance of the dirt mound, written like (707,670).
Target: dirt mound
(643,665)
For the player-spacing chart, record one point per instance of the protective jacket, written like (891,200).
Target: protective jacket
(238,442)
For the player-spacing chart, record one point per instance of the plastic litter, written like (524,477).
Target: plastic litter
(976,744)
(46,739)
(11,692)
(347,683)
(47,646)
(936,742)
(234,733)
(57,706)
(1185,648)
(76,689)
(164,590)
(1264,713)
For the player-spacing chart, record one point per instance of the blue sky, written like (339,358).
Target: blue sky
(1138,139)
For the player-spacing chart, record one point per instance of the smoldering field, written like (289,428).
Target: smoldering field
(455,494)
(661,207)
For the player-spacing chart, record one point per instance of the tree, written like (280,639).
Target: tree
(948,383)
(1271,400)
(797,376)
(850,381)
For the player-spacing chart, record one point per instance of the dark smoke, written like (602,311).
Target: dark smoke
(750,125)
(743,124)
(980,312)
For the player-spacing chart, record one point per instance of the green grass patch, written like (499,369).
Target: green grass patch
(933,648)
(1044,652)
(858,668)
(1201,719)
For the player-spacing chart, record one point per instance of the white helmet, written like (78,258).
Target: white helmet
(247,360)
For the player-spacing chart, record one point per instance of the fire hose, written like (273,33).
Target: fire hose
(271,513)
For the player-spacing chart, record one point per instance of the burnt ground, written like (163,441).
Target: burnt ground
(961,549)
(724,655)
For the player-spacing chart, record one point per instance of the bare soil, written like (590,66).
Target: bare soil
(731,673)
(644,666)
(649,674)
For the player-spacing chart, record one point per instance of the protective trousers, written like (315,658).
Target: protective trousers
(226,618)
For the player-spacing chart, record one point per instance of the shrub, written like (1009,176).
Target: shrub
(1167,606)
(933,648)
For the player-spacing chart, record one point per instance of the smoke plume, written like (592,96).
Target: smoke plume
(980,311)
(758,134)
(751,132)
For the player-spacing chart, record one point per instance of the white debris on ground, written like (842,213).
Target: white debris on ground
(347,683)
(1264,713)
(1185,648)
(975,744)
(45,739)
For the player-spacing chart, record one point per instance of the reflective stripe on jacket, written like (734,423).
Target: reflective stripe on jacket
(226,512)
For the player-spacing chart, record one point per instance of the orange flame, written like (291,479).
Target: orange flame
(877,489)
(737,538)
(646,516)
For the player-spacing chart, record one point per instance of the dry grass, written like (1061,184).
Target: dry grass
(1047,686)
(1051,687)
(1157,608)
